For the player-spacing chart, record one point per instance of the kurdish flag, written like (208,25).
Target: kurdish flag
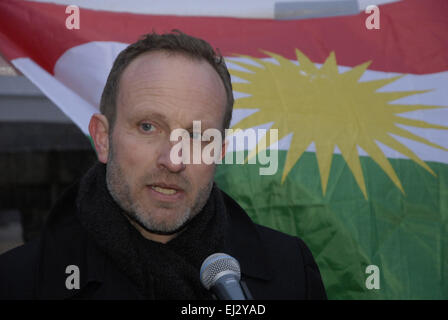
(362,117)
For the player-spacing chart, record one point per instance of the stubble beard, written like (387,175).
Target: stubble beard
(120,191)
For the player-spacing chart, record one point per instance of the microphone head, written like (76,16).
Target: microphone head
(217,265)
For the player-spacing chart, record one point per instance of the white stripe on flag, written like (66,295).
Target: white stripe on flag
(75,107)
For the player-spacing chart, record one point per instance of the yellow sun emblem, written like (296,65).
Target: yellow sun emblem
(328,108)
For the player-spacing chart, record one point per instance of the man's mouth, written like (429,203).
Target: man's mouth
(167,191)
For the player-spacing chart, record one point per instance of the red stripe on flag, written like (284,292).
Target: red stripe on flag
(413,37)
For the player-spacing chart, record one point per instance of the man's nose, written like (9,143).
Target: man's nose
(164,159)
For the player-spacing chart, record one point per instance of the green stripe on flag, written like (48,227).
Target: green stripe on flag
(403,234)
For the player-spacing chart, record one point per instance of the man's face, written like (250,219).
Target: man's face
(159,93)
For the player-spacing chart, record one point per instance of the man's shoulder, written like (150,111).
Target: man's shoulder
(290,254)
(21,256)
(282,245)
(275,235)
(17,271)
(19,267)
(273,239)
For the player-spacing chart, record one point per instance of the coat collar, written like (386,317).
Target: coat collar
(64,242)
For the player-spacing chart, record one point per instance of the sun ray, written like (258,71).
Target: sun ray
(374,85)
(256,60)
(391,96)
(243,87)
(378,156)
(250,121)
(409,135)
(263,144)
(401,108)
(305,63)
(350,154)
(281,60)
(265,64)
(296,149)
(257,119)
(247,66)
(356,73)
(246,103)
(330,65)
(398,146)
(244,75)
(324,155)
(418,123)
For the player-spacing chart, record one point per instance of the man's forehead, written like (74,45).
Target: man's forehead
(162,81)
(160,67)
(159,63)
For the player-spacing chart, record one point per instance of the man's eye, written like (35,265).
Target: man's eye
(147,127)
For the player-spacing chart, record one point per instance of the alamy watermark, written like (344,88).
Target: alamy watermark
(72,281)
(373,20)
(73,20)
(373,280)
(190,148)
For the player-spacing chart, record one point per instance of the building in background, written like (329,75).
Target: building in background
(41,152)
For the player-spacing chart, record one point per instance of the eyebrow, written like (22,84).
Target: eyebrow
(151,115)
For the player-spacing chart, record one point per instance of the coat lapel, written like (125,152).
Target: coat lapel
(244,242)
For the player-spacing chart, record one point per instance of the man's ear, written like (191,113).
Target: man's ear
(99,131)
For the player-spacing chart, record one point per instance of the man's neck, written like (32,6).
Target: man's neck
(162,238)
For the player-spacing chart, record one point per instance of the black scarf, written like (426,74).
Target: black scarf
(160,271)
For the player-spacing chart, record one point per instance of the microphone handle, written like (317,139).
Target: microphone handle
(228,288)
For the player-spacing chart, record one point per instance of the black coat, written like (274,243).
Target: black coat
(273,265)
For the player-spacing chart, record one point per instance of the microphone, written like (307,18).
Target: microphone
(221,274)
